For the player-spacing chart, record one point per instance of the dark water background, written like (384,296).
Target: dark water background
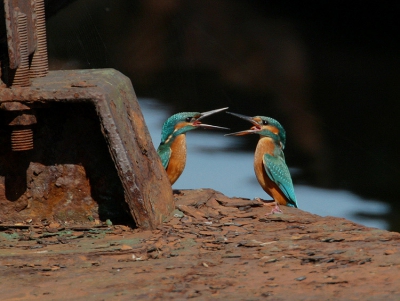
(328,71)
(218,162)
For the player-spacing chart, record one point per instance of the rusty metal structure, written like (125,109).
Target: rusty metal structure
(74,147)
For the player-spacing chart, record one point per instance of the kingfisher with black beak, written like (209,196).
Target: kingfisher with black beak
(172,149)
(269,160)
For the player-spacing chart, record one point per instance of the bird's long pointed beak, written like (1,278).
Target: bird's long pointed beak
(244,117)
(242,133)
(253,130)
(208,113)
(209,126)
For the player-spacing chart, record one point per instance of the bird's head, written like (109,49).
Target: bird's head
(181,123)
(264,126)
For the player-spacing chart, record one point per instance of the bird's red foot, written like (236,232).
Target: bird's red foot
(274,210)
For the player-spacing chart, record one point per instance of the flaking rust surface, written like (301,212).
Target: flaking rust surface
(86,118)
(213,248)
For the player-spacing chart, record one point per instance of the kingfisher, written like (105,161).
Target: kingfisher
(269,160)
(172,149)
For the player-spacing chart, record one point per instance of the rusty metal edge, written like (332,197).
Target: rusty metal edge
(149,203)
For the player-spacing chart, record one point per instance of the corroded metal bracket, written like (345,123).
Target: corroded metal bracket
(148,194)
(26,37)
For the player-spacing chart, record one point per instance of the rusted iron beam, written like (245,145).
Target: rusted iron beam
(148,194)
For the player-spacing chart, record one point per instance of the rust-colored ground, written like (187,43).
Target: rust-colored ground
(215,248)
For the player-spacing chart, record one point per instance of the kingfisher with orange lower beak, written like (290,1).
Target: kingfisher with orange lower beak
(269,160)
(172,149)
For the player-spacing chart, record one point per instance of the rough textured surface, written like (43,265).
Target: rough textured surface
(213,248)
(68,176)
(70,168)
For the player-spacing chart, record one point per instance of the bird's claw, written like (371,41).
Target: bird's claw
(274,210)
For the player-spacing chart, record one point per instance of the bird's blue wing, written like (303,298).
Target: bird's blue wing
(278,172)
(164,152)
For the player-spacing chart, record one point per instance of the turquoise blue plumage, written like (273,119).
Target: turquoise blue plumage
(278,172)
(172,148)
(164,152)
(169,133)
(269,160)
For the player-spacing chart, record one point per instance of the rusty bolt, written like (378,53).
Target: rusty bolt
(23,119)
(22,133)
(21,124)
(14,106)
(21,77)
(22,139)
(40,65)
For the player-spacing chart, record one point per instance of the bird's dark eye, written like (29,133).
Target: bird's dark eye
(188,119)
(265,122)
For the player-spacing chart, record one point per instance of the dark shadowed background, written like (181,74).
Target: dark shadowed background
(329,71)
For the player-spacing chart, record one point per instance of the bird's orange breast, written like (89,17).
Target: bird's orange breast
(177,160)
(266,146)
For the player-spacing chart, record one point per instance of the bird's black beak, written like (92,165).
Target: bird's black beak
(197,123)
(256,128)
